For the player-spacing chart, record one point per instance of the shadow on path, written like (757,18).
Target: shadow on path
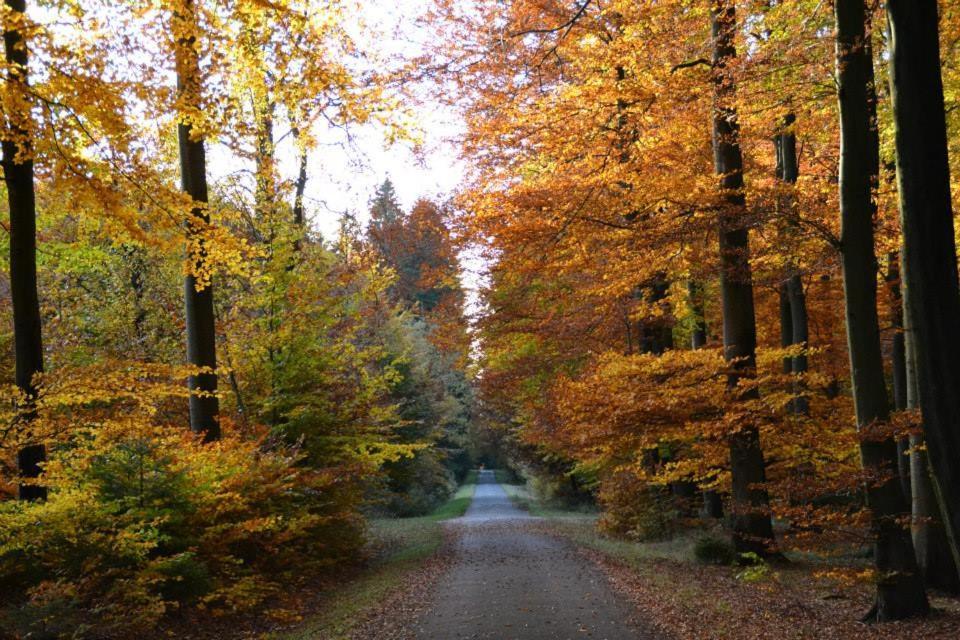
(510,582)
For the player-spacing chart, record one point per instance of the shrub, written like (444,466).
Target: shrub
(754,569)
(713,550)
(635,509)
(416,485)
(139,523)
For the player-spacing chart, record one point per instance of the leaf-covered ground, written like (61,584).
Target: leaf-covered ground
(684,599)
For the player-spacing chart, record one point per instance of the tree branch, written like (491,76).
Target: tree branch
(691,63)
(566,25)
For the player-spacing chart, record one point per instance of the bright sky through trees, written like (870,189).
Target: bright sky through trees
(347,167)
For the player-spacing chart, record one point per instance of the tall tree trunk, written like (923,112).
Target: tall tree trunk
(929,535)
(18,175)
(898,361)
(900,591)
(929,252)
(266,186)
(201,328)
(799,319)
(750,518)
(138,268)
(712,502)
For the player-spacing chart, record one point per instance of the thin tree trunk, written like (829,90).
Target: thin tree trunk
(137,285)
(750,518)
(27,333)
(929,253)
(898,361)
(712,502)
(783,293)
(265,159)
(698,337)
(301,185)
(786,325)
(900,592)
(799,319)
(929,535)
(201,331)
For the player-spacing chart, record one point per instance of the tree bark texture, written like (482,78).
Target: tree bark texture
(201,328)
(929,250)
(18,176)
(900,592)
(750,504)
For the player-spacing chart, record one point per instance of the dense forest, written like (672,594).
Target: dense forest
(718,296)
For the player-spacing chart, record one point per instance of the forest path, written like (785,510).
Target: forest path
(510,582)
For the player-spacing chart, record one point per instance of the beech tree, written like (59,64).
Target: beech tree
(752,527)
(198,291)
(18,176)
(794,320)
(900,591)
(930,542)
(929,247)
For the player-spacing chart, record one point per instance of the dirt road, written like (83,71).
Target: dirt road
(510,582)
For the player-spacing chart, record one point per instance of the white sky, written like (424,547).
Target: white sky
(343,178)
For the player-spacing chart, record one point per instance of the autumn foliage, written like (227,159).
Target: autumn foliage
(597,185)
(331,379)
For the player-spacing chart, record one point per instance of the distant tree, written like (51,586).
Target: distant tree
(385,212)
(430,340)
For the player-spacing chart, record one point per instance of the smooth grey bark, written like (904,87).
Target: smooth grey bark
(750,505)
(929,249)
(929,535)
(27,331)
(201,327)
(900,592)
(898,358)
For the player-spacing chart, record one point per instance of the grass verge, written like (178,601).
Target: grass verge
(398,546)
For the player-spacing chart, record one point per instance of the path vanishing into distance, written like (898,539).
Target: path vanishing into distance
(510,582)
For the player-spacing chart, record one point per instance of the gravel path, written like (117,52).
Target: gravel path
(509,582)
